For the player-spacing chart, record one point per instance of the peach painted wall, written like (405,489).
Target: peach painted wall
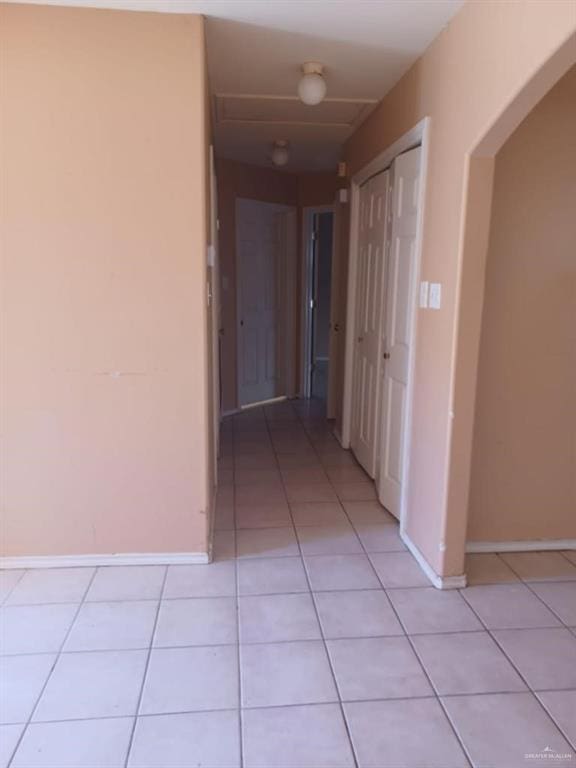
(272,186)
(523,479)
(104,359)
(465,82)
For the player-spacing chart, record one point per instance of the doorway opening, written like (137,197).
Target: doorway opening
(266,283)
(317,307)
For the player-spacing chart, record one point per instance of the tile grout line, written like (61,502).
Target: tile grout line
(528,586)
(278,642)
(565,556)
(170,713)
(281,642)
(237,601)
(368,555)
(529,688)
(320,627)
(564,626)
(13,587)
(52,668)
(145,672)
(433,688)
(406,636)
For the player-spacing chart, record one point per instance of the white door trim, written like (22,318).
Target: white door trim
(214,287)
(418,135)
(306,292)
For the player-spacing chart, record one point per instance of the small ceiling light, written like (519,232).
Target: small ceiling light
(280,153)
(312,86)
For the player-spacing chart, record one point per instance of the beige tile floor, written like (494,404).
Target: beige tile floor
(312,641)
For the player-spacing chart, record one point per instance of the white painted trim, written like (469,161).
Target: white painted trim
(338,436)
(440,582)
(79,561)
(425,141)
(350,315)
(521,546)
(215,310)
(260,403)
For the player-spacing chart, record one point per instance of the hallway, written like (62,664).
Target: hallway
(312,641)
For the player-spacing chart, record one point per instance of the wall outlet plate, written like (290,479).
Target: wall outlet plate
(423,301)
(435,296)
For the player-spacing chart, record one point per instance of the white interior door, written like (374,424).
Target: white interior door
(397,326)
(260,303)
(368,322)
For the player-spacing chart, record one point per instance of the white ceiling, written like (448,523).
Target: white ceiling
(256,47)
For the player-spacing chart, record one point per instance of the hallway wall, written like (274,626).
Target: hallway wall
(104,359)
(482,71)
(523,480)
(272,186)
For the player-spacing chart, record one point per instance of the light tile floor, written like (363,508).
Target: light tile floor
(312,641)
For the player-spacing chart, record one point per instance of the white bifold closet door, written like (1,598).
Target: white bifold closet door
(370,282)
(397,335)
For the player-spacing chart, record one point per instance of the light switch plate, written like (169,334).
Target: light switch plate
(435,296)
(423,303)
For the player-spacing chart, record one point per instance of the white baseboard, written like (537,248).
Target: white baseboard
(338,436)
(521,546)
(440,582)
(80,561)
(211,529)
(260,403)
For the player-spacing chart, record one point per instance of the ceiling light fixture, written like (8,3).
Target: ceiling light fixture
(280,152)
(312,86)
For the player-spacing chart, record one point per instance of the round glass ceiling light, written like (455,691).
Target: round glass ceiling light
(280,153)
(312,86)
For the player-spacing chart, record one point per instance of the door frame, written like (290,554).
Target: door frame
(306,282)
(290,263)
(214,299)
(419,135)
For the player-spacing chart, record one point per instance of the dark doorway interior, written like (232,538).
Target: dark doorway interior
(322,272)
